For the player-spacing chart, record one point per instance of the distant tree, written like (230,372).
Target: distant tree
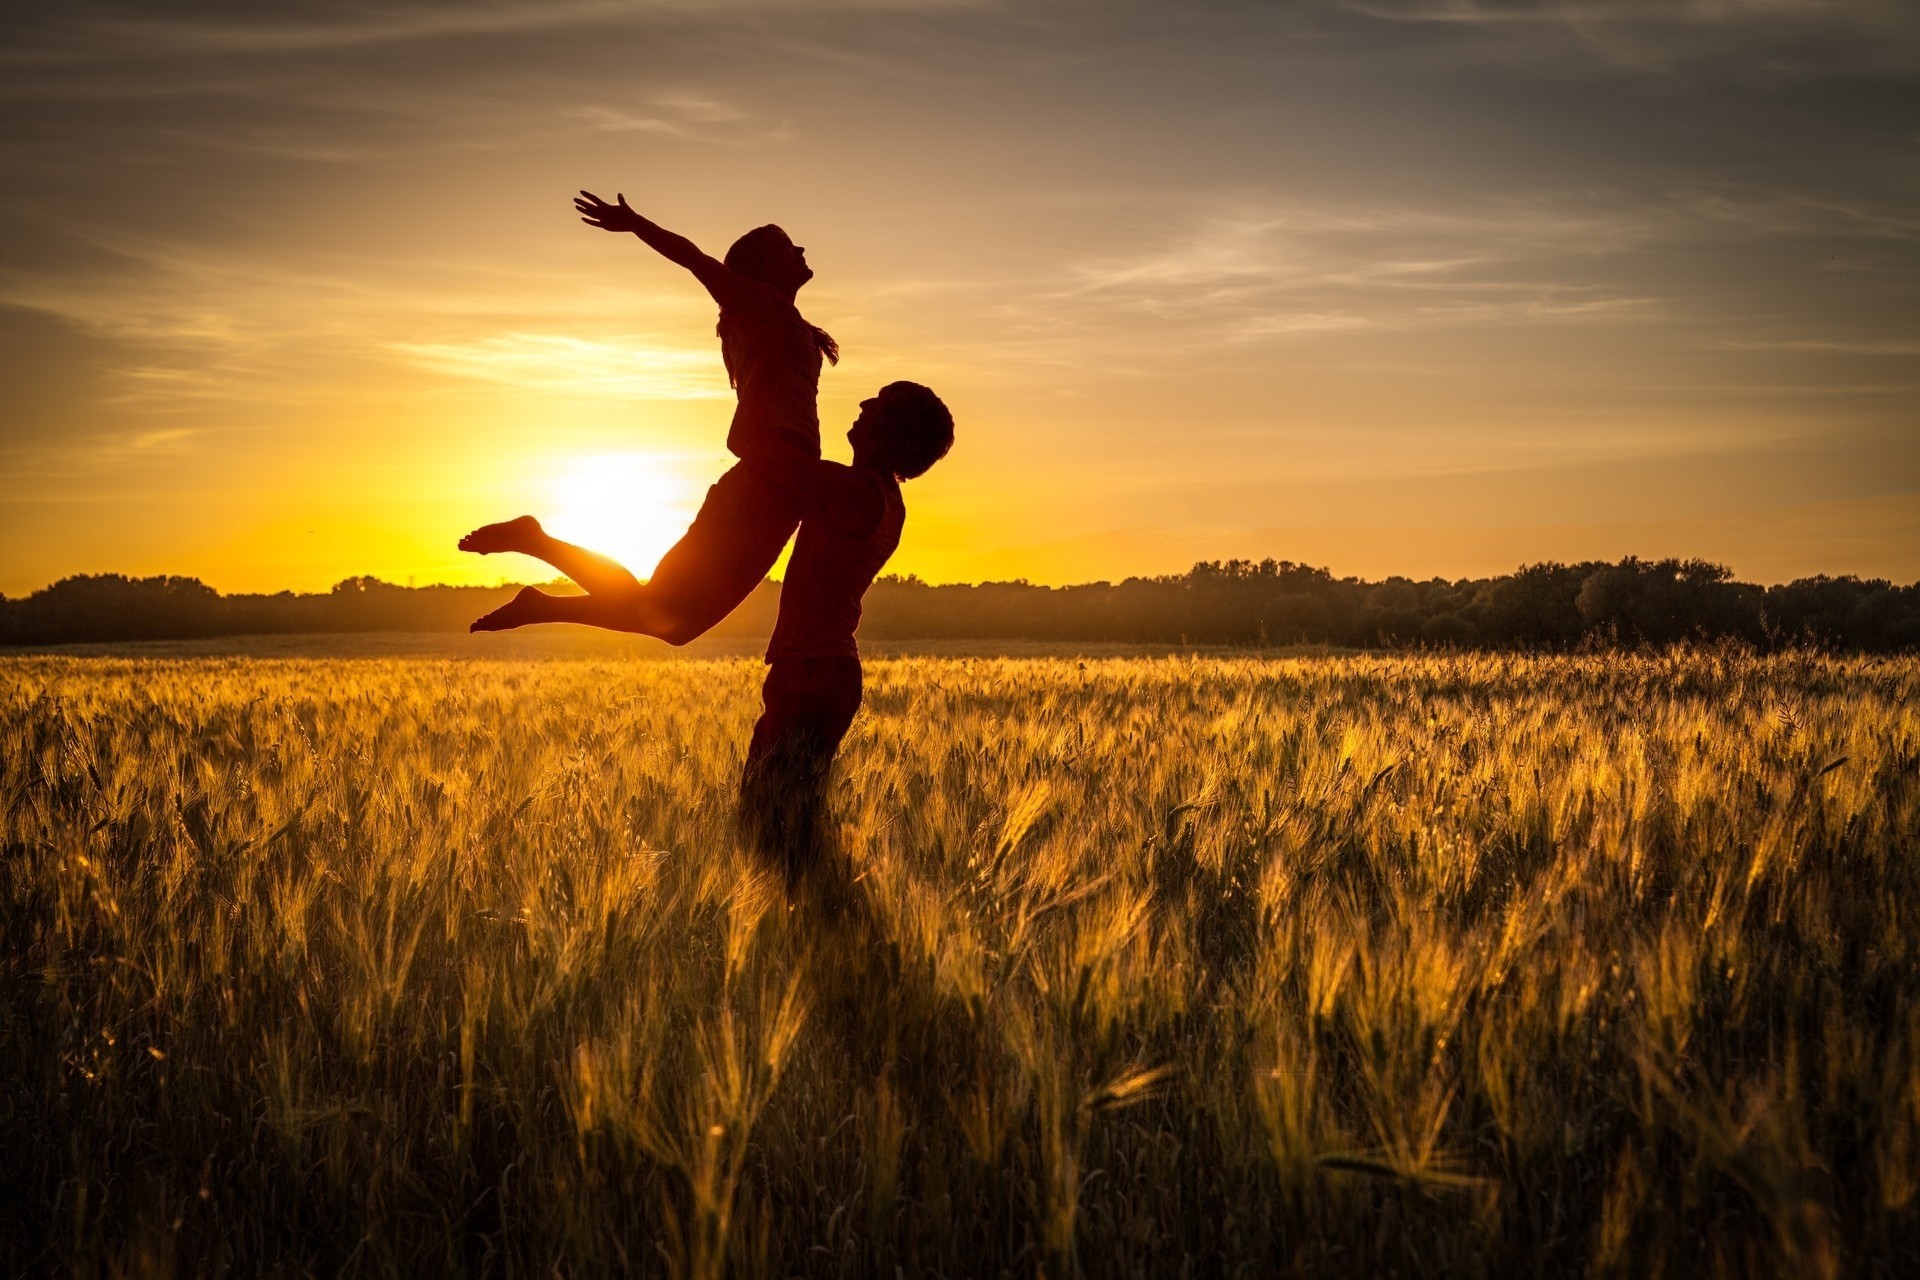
(1663,601)
(1449,631)
(112,606)
(1828,610)
(1534,608)
(1541,606)
(1295,616)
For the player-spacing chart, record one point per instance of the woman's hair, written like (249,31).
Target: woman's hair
(759,255)
(918,429)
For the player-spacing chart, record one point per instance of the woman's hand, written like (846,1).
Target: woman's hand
(721,283)
(596,212)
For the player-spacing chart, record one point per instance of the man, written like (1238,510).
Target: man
(851,523)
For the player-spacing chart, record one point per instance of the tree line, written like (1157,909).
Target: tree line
(1548,606)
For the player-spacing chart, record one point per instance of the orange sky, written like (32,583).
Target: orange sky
(1421,288)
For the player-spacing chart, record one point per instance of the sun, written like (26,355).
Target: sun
(630,506)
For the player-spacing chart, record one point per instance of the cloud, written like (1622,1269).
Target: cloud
(89,32)
(1803,215)
(189,322)
(694,119)
(151,441)
(92,458)
(1238,267)
(1869,347)
(1755,40)
(1275,268)
(635,366)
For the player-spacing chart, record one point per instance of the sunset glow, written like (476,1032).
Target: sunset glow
(623,505)
(296,293)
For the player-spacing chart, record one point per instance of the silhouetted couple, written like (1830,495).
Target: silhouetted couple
(849,520)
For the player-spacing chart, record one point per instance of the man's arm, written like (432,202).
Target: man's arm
(846,498)
(727,288)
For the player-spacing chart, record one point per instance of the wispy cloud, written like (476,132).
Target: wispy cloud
(98,455)
(633,367)
(1747,39)
(153,441)
(1768,215)
(193,323)
(1284,269)
(695,119)
(1864,347)
(85,35)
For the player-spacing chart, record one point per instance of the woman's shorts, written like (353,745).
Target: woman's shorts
(748,515)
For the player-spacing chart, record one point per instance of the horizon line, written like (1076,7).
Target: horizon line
(1256,566)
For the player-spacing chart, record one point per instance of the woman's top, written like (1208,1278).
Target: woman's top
(773,359)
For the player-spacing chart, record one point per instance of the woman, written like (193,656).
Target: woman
(773,357)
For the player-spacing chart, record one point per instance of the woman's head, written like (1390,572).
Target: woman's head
(904,430)
(769,255)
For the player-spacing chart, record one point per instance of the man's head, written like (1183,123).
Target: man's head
(769,255)
(902,430)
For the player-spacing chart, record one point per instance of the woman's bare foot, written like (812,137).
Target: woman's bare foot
(519,534)
(527,606)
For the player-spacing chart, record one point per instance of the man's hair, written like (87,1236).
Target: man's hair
(918,428)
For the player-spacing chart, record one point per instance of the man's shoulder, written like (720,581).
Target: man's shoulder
(851,501)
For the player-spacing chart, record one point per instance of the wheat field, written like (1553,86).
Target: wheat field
(1208,966)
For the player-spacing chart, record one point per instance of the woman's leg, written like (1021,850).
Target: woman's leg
(725,553)
(634,611)
(717,563)
(597,574)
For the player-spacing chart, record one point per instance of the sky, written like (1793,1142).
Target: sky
(295,292)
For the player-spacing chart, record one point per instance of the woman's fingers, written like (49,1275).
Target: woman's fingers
(596,212)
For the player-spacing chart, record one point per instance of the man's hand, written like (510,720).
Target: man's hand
(596,212)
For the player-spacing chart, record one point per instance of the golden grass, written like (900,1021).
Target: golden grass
(1442,965)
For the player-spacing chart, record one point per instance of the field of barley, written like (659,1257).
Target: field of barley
(1207,966)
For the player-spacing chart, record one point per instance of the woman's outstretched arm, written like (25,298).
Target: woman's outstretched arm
(726,287)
